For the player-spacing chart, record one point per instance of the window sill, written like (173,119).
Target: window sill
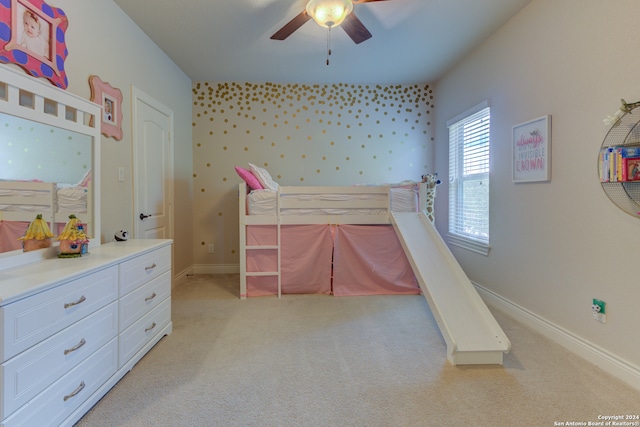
(469,244)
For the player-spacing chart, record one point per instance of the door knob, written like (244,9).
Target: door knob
(143,216)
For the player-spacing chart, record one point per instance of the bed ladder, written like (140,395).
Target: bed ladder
(245,220)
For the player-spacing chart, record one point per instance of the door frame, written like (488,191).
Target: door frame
(138,96)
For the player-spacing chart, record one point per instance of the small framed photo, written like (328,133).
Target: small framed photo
(532,150)
(111,100)
(32,35)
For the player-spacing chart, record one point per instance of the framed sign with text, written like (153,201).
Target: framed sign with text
(532,150)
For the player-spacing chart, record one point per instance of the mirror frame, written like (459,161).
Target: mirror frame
(70,112)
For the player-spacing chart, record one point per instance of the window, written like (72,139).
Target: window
(469,179)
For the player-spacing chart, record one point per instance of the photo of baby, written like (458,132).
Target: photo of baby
(33,34)
(108,105)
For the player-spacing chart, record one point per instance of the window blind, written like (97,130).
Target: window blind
(469,142)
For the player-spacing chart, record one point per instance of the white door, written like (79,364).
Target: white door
(153,167)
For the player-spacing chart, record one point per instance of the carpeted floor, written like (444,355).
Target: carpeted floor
(307,360)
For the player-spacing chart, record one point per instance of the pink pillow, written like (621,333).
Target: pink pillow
(248,177)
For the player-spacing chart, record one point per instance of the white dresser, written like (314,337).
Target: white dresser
(72,328)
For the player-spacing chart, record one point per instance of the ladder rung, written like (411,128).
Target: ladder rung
(262,247)
(262,273)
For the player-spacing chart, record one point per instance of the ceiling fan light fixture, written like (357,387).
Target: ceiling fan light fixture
(329,13)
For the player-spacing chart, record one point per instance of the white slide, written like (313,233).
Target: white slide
(472,334)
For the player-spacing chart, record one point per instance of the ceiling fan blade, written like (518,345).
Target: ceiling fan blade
(291,26)
(355,28)
(364,1)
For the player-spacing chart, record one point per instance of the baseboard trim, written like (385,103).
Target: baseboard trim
(182,276)
(600,357)
(216,269)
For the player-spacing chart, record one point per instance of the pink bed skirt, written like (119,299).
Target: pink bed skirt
(332,260)
(11,231)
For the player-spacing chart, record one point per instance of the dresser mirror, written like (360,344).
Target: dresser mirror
(47,136)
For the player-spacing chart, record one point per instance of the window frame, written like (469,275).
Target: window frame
(467,241)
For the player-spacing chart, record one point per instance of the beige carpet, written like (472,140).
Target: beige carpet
(309,360)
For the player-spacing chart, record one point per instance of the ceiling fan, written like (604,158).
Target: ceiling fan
(329,14)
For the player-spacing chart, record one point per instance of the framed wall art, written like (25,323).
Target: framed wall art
(111,100)
(532,150)
(32,35)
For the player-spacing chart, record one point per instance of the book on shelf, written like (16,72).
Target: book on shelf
(632,166)
(603,165)
(619,164)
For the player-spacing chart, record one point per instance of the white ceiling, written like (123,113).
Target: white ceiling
(414,41)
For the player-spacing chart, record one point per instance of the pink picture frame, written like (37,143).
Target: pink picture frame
(111,100)
(32,35)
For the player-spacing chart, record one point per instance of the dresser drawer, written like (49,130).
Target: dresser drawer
(137,335)
(59,400)
(139,302)
(28,321)
(33,370)
(143,268)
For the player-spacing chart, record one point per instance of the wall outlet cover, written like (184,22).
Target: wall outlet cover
(598,306)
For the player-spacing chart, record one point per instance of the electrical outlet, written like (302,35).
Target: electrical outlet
(599,309)
(210,248)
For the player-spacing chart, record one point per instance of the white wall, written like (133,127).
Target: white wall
(555,245)
(102,40)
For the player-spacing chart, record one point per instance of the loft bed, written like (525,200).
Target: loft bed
(357,241)
(334,240)
(21,201)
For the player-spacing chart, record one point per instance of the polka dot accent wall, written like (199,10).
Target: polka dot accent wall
(303,134)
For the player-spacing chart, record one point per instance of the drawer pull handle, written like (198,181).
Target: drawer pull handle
(150,327)
(71,304)
(149,298)
(74,392)
(75,347)
(151,267)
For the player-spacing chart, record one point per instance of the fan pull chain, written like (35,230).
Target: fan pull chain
(328,45)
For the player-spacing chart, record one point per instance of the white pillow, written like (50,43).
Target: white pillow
(264,177)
